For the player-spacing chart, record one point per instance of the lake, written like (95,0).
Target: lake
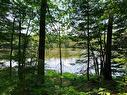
(70,61)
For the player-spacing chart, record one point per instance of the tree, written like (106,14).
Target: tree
(88,39)
(85,20)
(11,44)
(42,33)
(107,65)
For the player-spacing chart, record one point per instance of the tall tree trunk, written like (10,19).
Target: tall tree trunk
(95,62)
(60,54)
(41,59)
(104,50)
(60,59)
(11,44)
(101,54)
(25,45)
(88,41)
(19,53)
(20,67)
(107,65)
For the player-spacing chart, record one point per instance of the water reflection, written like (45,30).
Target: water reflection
(68,64)
(71,65)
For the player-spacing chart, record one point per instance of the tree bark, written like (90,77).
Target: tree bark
(11,44)
(101,54)
(20,65)
(61,68)
(19,53)
(88,42)
(107,65)
(41,59)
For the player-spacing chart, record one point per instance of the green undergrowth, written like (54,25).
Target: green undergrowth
(72,85)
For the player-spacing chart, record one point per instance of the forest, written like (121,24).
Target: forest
(63,47)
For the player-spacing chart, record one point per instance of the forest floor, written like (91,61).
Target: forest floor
(72,84)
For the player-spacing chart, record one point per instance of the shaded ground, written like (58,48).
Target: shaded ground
(72,85)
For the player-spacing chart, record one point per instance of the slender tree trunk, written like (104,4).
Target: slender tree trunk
(11,44)
(95,63)
(101,54)
(60,60)
(41,59)
(88,42)
(19,53)
(20,68)
(25,44)
(107,65)
(104,50)
(61,70)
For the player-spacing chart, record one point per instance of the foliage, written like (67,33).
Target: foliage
(73,85)
(73,24)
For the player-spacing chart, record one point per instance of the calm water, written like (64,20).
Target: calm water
(68,64)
